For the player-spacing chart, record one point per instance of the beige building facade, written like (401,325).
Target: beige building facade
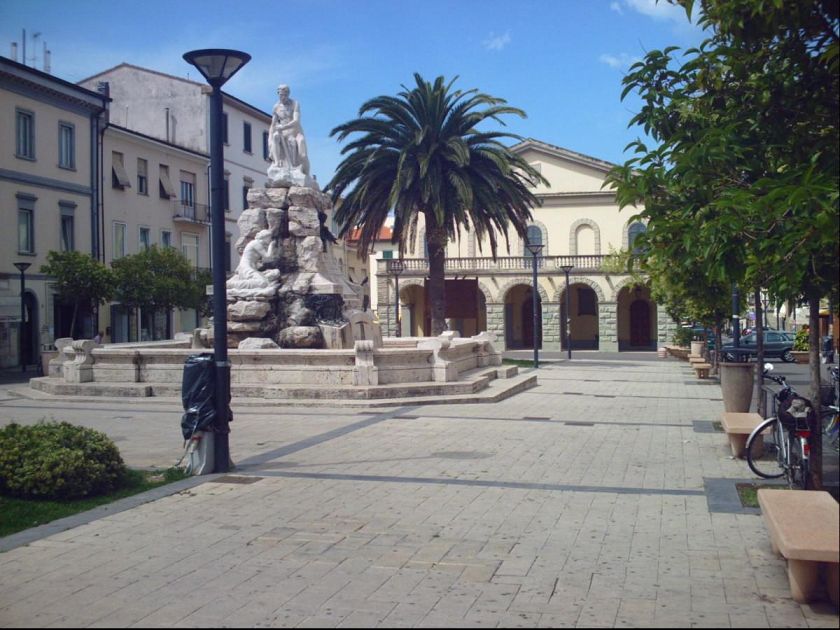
(155,193)
(177,111)
(579,225)
(49,195)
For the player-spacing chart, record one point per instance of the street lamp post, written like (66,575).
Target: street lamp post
(535,249)
(566,269)
(217,65)
(22,266)
(397,267)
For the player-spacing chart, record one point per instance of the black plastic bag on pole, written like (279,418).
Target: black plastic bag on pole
(198,394)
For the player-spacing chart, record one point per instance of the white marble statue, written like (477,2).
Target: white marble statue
(287,144)
(248,278)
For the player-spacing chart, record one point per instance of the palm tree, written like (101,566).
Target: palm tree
(420,153)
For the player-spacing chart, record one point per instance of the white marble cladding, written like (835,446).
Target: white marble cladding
(439,359)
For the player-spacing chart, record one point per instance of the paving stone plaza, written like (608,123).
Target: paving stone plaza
(603,497)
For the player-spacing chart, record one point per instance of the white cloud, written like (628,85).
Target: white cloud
(497,42)
(615,6)
(661,10)
(621,60)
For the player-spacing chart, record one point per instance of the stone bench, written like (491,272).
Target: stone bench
(804,526)
(702,369)
(738,427)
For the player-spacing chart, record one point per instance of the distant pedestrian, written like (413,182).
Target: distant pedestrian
(98,337)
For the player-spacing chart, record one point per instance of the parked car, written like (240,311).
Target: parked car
(776,344)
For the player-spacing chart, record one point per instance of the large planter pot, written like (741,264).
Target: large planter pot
(801,356)
(697,348)
(736,382)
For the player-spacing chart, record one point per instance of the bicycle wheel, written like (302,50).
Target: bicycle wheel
(764,450)
(799,471)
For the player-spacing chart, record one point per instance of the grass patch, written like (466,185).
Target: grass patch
(748,492)
(19,514)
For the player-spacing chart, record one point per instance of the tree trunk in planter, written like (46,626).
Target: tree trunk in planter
(814,394)
(436,241)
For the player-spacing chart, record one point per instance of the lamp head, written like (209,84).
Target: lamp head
(217,65)
(23,266)
(534,248)
(396,266)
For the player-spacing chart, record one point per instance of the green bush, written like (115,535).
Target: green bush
(683,337)
(802,342)
(52,460)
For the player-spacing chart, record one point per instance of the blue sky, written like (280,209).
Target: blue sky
(561,61)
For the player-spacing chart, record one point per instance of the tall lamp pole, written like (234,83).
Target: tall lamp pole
(22,266)
(397,267)
(566,269)
(217,65)
(535,249)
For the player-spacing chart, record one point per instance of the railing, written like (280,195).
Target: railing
(510,263)
(195,213)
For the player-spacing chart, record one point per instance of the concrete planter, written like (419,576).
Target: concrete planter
(697,348)
(801,356)
(736,383)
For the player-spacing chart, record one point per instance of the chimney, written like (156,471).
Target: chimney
(14,51)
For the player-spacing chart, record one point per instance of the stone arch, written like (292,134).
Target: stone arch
(573,248)
(580,280)
(625,232)
(543,230)
(505,289)
(488,295)
(627,281)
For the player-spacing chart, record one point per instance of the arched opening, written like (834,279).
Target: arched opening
(412,311)
(636,319)
(584,325)
(585,240)
(519,318)
(633,233)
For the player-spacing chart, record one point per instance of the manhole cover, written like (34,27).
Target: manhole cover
(462,455)
(235,479)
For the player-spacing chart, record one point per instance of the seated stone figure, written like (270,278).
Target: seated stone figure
(248,276)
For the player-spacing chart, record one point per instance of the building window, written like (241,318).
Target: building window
(246,137)
(25,127)
(533,237)
(633,233)
(265,145)
(165,238)
(167,191)
(68,227)
(119,178)
(119,240)
(142,177)
(189,248)
(187,189)
(228,252)
(245,190)
(145,238)
(225,127)
(66,145)
(587,301)
(226,194)
(387,254)
(26,227)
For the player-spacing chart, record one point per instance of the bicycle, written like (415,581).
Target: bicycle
(780,446)
(831,410)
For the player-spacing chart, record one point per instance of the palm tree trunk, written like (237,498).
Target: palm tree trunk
(436,241)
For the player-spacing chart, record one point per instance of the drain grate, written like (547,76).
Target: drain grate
(580,424)
(535,418)
(236,479)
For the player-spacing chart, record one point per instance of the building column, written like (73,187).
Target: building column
(608,326)
(496,322)
(665,326)
(551,325)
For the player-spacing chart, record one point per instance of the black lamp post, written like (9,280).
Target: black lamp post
(765,301)
(397,267)
(535,249)
(217,65)
(566,269)
(736,319)
(22,266)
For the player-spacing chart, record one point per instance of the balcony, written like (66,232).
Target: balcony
(501,265)
(190,213)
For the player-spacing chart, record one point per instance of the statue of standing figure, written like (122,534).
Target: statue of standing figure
(287,144)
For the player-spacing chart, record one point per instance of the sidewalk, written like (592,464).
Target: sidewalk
(600,498)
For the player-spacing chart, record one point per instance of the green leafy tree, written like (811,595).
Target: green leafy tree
(421,153)
(80,280)
(740,184)
(157,280)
